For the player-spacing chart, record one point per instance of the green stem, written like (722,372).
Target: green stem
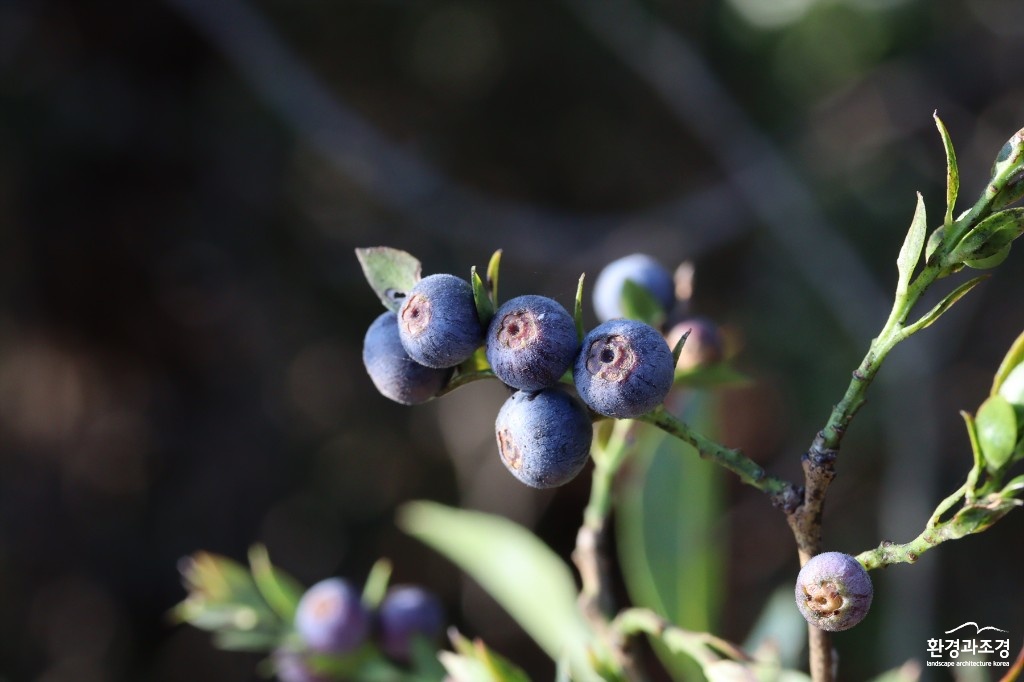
(461,378)
(596,599)
(589,556)
(750,472)
(947,504)
(607,460)
(972,518)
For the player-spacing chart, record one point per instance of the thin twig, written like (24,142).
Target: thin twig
(783,494)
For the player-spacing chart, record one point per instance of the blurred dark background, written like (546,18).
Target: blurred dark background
(182,184)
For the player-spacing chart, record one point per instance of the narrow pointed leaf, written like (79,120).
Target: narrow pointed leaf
(678,350)
(1015,486)
(492,276)
(952,172)
(473,661)
(577,312)
(376,585)
(484,306)
(910,252)
(518,570)
(945,304)
(979,459)
(280,590)
(390,272)
(1013,358)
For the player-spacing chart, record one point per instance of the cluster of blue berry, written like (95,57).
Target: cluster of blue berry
(331,620)
(622,368)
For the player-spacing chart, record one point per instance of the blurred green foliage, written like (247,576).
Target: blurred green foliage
(181,316)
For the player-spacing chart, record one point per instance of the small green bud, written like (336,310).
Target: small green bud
(986,243)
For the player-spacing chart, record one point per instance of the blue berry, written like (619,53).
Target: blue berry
(394,373)
(833,591)
(330,618)
(405,613)
(438,323)
(624,369)
(640,269)
(531,342)
(543,437)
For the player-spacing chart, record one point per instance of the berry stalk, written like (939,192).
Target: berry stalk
(782,493)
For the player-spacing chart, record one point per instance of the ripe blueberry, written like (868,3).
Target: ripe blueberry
(704,346)
(438,323)
(407,612)
(543,437)
(531,342)
(394,373)
(624,369)
(330,618)
(642,270)
(833,591)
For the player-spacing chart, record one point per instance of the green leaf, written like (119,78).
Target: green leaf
(236,617)
(945,304)
(934,242)
(1012,389)
(518,570)
(637,303)
(376,585)
(988,238)
(390,272)
(281,591)
(669,540)
(1010,156)
(677,350)
(996,423)
(492,276)
(1011,191)
(1013,359)
(1015,486)
(218,585)
(952,172)
(780,627)
(991,261)
(474,662)
(577,311)
(236,640)
(910,252)
(484,305)
(424,660)
(979,459)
